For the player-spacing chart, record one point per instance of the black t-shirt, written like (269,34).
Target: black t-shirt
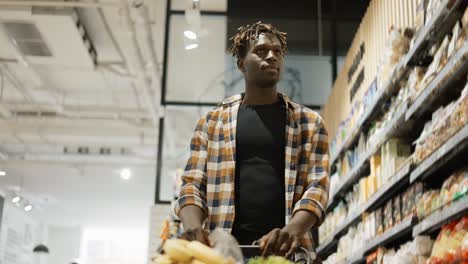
(259,182)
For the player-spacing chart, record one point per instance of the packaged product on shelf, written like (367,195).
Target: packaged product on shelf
(388,216)
(396,210)
(362,143)
(420,13)
(406,203)
(394,153)
(396,46)
(375,163)
(334,181)
(446,121)
(379,223)
(465,19)
(377,256)
(413,252)
(459,188)
(424,205)
(422,245)
(455,36)
(448,246)
(363,194)
(445,192)
(439,61)
(459,115)
(371,185)
(409,200)
(415,80)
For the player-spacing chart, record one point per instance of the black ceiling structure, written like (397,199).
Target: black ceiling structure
(299,18)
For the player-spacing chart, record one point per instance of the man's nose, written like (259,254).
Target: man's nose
(271,56)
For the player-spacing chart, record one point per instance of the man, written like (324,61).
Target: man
(259,162)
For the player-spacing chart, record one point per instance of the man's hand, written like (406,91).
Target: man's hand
(286,241)
(198,234)
(192,219)
(281,242)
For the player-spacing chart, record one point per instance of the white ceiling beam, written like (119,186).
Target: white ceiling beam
(86,159)
(86,4)
(3,155)
(4,111)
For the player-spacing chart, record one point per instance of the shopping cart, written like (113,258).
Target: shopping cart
(252,251)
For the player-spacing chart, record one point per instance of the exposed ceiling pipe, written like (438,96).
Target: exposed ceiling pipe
(86,4)
(23,60)
(140,82)
(144,20)
(28,97)
(153,63)
(143,80)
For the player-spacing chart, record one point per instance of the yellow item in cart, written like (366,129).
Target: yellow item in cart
(162,259)
(196,261)
(176,249)
(204,253)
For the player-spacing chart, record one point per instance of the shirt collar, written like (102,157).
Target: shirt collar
(237,99)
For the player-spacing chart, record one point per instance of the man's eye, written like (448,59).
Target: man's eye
(261,52)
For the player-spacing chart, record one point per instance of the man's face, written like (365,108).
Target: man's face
(263,63)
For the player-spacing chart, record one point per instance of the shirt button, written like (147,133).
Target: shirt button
(293,166)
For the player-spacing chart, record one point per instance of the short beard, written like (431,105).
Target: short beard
(267,84)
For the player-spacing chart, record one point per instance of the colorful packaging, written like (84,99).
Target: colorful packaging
(396,210)
(388,216)
(379,225)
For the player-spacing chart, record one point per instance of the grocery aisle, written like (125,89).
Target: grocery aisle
(399,158)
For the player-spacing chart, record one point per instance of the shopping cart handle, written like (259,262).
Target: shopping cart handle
(251,251)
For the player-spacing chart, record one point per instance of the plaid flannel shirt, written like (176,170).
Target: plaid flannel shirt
(208,180)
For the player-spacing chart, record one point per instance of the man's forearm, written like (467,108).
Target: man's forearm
(192,217)
(301,222)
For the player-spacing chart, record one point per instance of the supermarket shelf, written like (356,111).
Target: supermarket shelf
(334,237)
(326,247)
(385,191)
(437,219)
(382,95)
(347,142)
(455,68)
(395,126)
(391,235)
(432,32)
(358,257)
(455,145)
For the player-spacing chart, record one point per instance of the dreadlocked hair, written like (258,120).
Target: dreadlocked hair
(249,33)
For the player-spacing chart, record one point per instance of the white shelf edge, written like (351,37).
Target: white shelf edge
(437,219)
(421,100)
(453,142)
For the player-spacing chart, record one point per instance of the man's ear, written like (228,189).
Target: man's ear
(240,64)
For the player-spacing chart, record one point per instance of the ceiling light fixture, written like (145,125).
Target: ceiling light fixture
(191,46)
(2,173)
(126,174)
(28,208)
(16,199)
(190,34)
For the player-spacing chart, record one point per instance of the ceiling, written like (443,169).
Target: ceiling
(71,121)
